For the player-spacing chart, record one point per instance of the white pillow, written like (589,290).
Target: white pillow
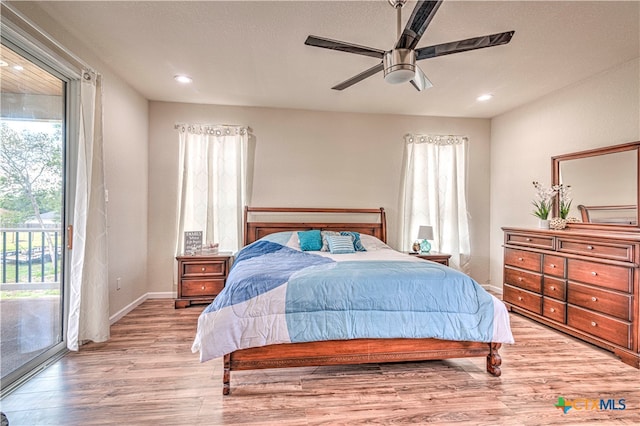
(372,243)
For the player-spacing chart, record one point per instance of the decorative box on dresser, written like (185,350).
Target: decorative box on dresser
(582,282)
(201,277)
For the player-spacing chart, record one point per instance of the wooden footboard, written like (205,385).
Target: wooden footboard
(359,351)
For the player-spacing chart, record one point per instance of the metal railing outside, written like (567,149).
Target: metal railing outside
(30,258)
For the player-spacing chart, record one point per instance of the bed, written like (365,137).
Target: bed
(290,303)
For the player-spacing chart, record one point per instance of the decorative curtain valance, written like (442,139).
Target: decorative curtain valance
(435,139)
(212,129)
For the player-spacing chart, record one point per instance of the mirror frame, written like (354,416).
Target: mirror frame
(555,180)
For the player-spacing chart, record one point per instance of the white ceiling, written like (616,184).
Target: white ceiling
(253,53)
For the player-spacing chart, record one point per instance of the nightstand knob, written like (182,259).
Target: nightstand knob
(552,288)
(552,309)
(593,324)
(594,299)
(204,269)
(203,287)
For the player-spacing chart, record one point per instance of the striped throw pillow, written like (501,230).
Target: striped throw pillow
(340,244)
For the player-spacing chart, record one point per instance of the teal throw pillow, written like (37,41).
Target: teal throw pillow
(310,240)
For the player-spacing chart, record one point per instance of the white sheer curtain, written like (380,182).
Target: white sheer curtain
(434,193)
(212,183)
(89,292)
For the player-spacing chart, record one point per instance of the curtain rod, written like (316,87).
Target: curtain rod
(438,139)
(23,26)
(217,129)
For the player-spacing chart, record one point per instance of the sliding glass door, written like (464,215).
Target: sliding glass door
(32,194)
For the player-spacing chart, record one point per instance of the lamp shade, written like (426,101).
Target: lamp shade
(425,233)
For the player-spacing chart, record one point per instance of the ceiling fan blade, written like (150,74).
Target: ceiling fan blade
(353,80)
(464,45)
(327,43)
(420,80)
(421,17)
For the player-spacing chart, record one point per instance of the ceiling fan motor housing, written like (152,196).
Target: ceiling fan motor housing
(399,65)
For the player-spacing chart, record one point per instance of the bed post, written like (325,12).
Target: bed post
(226,375)
(383,221)
(494,360)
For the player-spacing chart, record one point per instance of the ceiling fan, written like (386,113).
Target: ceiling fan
(399,63)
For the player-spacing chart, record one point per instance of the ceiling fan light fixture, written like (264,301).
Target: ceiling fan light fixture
(399,66)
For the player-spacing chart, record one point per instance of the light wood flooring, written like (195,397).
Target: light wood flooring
(147,375)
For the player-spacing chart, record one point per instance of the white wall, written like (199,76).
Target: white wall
(600,111)
(125,118)
(311,159)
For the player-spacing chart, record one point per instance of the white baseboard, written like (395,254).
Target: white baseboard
(131,306)
(492,288)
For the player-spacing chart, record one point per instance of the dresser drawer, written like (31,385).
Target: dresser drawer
(612,330)
(610,276)
(612,251)
(607,302)
(529,240)
(195,288)
(554,309)
(553,265)
(211,268)
(553,287)
(523,259)
(526,280)
(522,298)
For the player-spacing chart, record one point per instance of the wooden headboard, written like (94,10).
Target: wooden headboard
(293,219)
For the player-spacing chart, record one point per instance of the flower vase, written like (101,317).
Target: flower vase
(543,223)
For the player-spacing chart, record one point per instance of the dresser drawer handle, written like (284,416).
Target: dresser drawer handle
(520,278)
(519,297)
(203,287)
(594,299)
(204,269)
(520,259)
(552,265)
(552,309)
(589,247)
(552,288)
(528,239)
(594,324)
(594,273)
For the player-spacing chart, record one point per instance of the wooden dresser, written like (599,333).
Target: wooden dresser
(201,277)
(582,282)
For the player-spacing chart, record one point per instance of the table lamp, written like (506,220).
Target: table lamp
(425,233)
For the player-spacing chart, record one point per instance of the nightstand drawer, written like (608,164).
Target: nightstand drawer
(195,288)
(204,268)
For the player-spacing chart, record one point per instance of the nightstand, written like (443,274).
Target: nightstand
(433,256)
(201,277)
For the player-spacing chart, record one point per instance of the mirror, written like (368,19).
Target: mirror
(604,185)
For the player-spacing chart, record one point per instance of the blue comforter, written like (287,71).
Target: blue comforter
(278,294)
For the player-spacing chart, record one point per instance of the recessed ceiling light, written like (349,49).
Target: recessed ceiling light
(484,98)
(3,64)
(184,79)
(18,67)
